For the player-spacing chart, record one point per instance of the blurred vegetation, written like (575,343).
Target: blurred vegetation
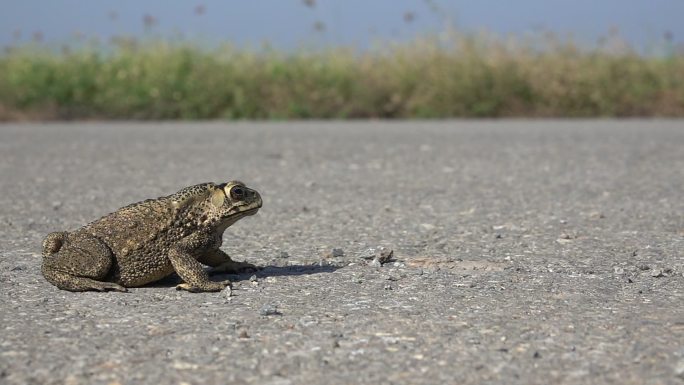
(461,76)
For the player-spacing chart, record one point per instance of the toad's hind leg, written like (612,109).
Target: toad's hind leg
(77,262)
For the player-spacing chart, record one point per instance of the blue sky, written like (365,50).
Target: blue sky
(290,24)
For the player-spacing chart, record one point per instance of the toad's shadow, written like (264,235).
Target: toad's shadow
(266,271)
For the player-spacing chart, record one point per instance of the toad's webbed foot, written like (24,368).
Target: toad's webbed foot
(208,286)
(234,267)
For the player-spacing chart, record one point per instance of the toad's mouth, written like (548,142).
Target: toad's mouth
(236,214)
(239,211)
(251,211)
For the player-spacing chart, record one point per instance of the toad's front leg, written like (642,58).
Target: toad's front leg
(190,270)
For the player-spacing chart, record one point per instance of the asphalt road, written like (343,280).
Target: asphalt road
(525,253)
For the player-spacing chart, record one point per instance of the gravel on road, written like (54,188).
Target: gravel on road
(516,252)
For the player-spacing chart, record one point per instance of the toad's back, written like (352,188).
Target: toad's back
(140,225)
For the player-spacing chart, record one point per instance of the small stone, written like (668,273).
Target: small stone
(367,254)
(679,369)
(337,253)
(597,215)
(618,270)
(253,278)
(657,273)
(385,255)
(269,309)
(377,255)
(243,334)
(227,292)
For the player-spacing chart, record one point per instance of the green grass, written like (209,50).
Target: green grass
(465,76)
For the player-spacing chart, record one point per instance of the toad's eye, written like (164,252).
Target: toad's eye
(237,192)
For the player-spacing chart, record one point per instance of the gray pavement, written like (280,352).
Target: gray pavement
(526,252)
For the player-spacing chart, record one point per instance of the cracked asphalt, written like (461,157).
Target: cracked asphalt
(524,252)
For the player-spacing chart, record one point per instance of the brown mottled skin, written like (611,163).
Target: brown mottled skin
(149,240)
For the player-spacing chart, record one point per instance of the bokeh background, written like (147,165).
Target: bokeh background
(284,59)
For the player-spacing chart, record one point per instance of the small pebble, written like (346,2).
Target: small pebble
(385,255)
(597,215)
(227,292)
(367,254)
(375,263)
(253,278)
(243,334)
(378,256)
(657,273)
(679,369)
(269,309)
